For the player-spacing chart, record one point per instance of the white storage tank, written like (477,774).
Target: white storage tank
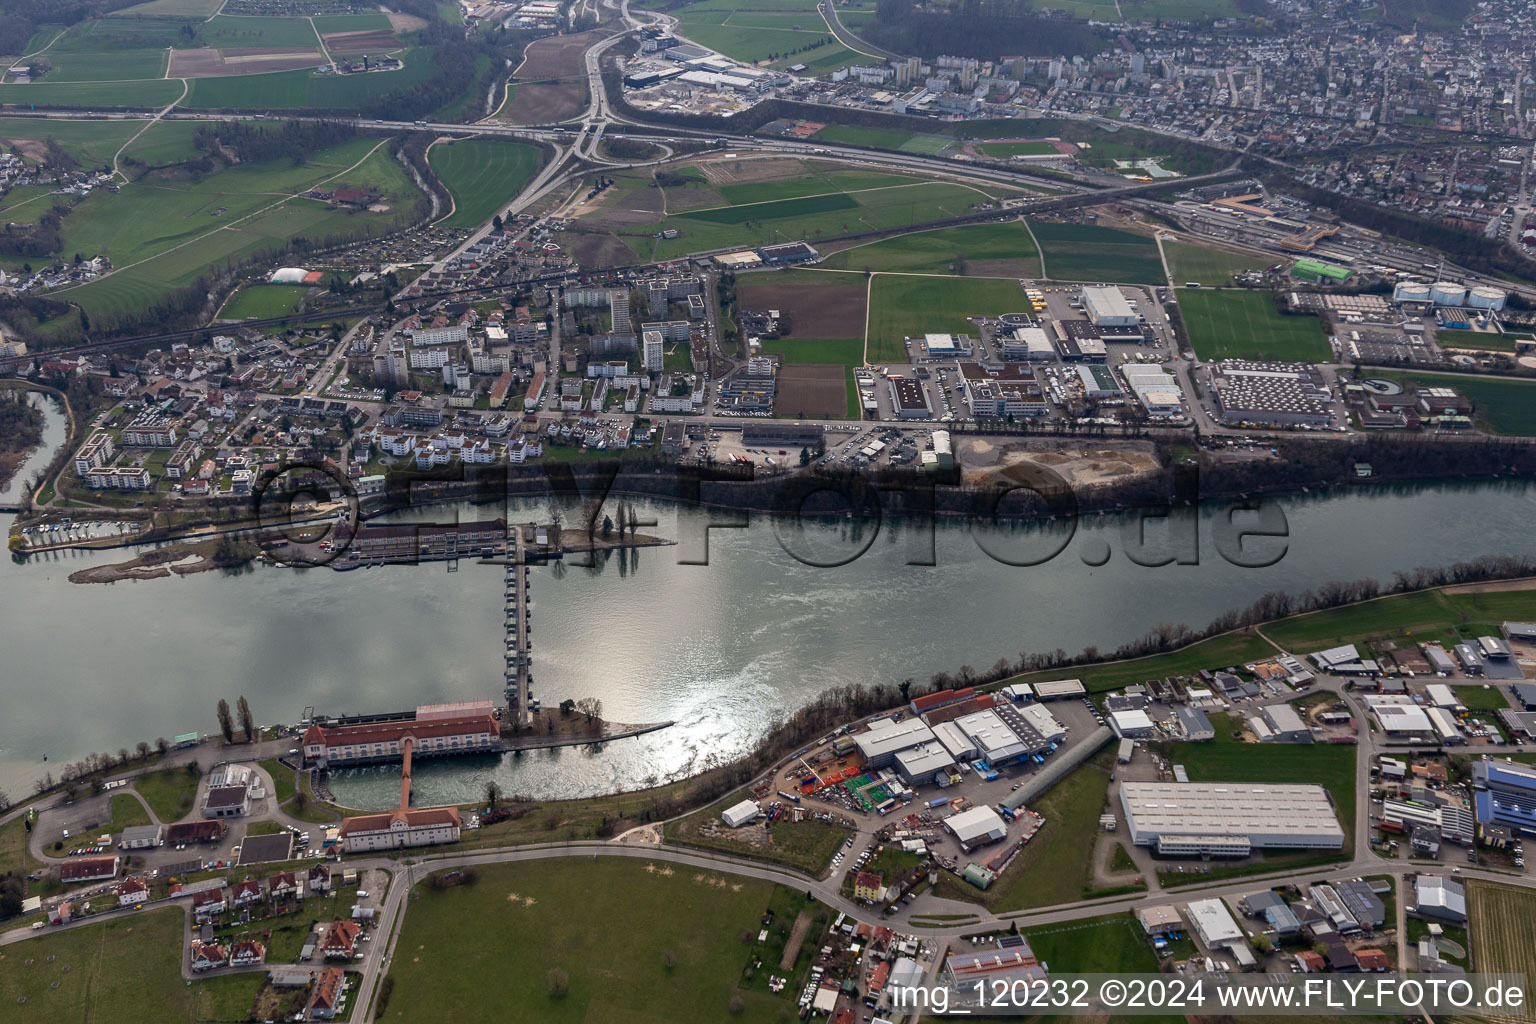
(1410,291)
(1447,293)
(1487,297)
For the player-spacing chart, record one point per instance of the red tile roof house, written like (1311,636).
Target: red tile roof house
(208,956)
(131,891)
(327,997)
(208,902)
(247,953)
(88,869)
(1371,959)
(282,886)
(340,940)
(244,892)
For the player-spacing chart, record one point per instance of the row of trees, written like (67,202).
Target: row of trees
(227,721)
(91,770)
(248,142)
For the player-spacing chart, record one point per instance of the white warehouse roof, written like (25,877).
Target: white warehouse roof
(1267,814)
(976,824)
(886,738)
(995,740)
(1214,922)
(1399,714)
(738,815)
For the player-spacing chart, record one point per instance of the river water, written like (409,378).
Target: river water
(719,648)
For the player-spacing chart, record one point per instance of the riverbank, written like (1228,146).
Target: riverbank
(21,431)
(159,563)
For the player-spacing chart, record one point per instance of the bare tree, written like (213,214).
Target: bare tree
(668,959)
(143,750)
(492,795)
(559,982)
(162,745)
(591,707)
(591,515)
(226,723)
(247,720)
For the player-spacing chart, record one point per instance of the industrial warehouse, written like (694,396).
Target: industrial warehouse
(1227,819)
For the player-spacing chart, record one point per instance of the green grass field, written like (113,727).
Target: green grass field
(1224,759)
(904,307)
(118,65)
(169,792)
(91,143)
(171,9)
(846,351)
(483,175)
(260,301)
(1429,613)
(936,252)
(293,90)
(1501,406)
(164,237)
(1033,147)
(1113,944)
(565,915)
(827,211)
(1086,252)
(818,180)
(1244,325)
(1207,266)
(127,812)
(113,95)
(784,33)
(858,135)
(123,971)
(164,143)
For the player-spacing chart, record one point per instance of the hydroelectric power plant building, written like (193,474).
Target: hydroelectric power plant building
(1229,819)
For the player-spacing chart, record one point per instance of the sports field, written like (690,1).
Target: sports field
(483,175)
(903,306)
(1029,147)
(1233,324)
(1113,944)
(259,301)
(982,249)
(858,135)
(561,914)
(1502,927)
(1087,252)
(1207,266)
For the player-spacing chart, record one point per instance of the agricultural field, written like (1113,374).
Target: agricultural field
(550,84)
(1233,324)
(303,89)
(170,9)
(118,65)
(94,95)
(1208,266)
(1180,10)
(161,238)
(482,175)
(780,33)
(560,913)
(1086,252)
(815,304)
(1502,923)
(88,143)
(1501,406)
(1002,250)
(906,307)
(261,301)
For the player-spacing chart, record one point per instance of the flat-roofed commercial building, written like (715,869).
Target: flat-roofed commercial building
(910,399)
(1059,689)
(925,763)
(994,741)
(1107,307)
(976,826)
(886,739)
(1229,818)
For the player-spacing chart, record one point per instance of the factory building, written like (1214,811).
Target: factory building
(976,827)
(960,746)
(1273,394)
(1229,818)
(1060,689)
(1107,307)
(885,739)
(926,763)
(1287,725)
(994,741)
(910,399)
(1504,793)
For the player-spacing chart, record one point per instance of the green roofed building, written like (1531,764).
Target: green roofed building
(1312,270)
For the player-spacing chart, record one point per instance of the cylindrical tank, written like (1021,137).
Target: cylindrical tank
(1410,291)
(1447,293)
(1487,297)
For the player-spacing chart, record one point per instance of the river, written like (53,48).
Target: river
(719,648)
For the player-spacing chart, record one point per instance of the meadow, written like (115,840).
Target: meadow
(150,92)
(1208,266)
(561,915)
(293,90)
(784,33)
(1086,252)
(940,252)
(483,176)
(90,143)
(858,135)
(1231,324)
(163,237)
(905,307)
